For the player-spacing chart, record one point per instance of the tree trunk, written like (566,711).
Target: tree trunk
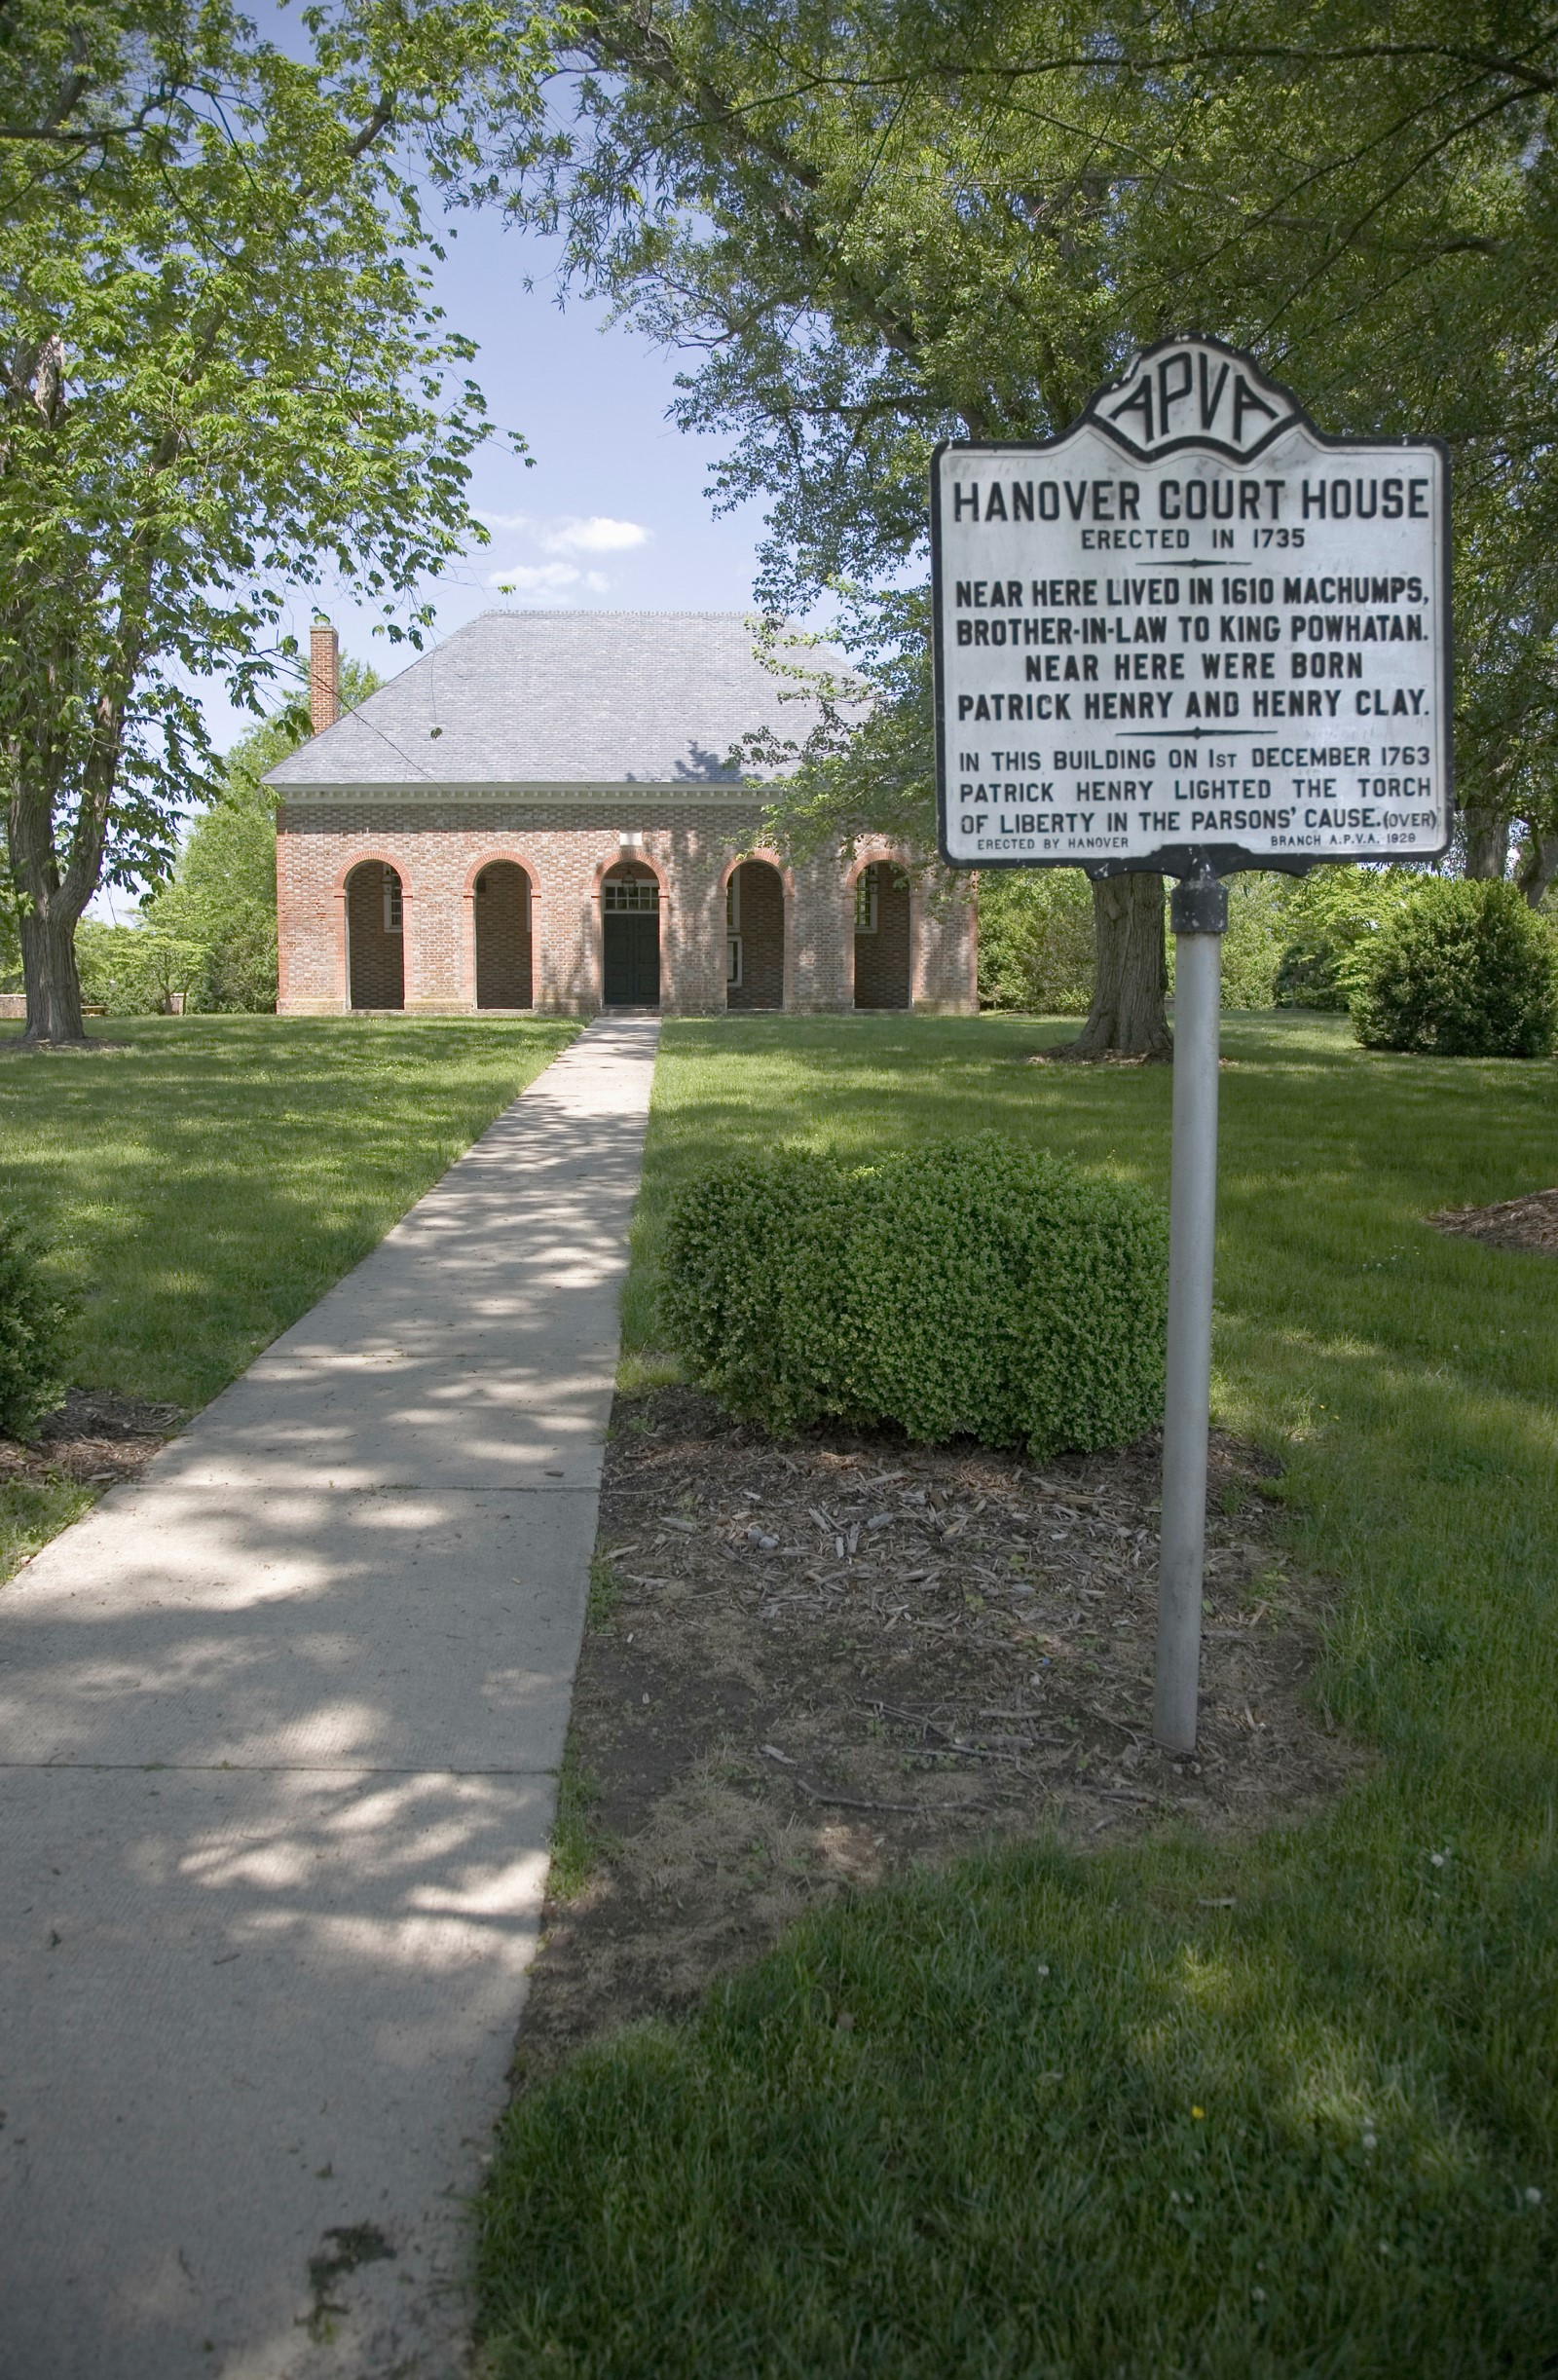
(1131,973)
(1486,834)
(53,986)
(1537,865)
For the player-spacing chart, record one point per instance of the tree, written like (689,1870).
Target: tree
(882,224)
(221,897)
(807,202)
(220,372)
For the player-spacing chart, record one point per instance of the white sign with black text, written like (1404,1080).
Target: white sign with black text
(1193,624)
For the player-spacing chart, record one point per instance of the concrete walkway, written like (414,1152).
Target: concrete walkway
(280,1726)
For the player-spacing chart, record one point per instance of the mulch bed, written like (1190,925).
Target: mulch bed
(1529,1222)
(809,1665)
(93,1438)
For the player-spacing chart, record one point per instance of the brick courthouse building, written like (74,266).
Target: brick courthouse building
(541,813)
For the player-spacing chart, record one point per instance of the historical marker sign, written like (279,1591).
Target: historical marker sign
(1192,628)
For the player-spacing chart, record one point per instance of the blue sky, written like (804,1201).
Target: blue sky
(611,512)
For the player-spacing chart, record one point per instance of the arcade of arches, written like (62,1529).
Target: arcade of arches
(569,921)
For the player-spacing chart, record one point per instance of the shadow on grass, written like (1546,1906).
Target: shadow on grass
(209,1181)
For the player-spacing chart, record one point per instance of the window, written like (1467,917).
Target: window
(630,893)
(732,907)
(392,902)
(866,901)
(732,959)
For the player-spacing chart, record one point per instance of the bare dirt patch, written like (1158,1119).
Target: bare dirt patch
(1529,1222)
(92,1439)
(809,1665)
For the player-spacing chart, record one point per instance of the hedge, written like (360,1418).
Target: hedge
(968,1288)
(35,1325)
(1467,969)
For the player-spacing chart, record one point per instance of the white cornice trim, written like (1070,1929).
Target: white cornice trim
(741,793)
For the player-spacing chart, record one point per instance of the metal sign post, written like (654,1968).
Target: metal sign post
(1193,635)
(1198,913)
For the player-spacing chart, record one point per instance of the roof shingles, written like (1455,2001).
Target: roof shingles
(557,698)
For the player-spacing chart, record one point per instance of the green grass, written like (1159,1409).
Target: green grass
(33,1510)
(1082,2123)
(579,1841)
(208,1179)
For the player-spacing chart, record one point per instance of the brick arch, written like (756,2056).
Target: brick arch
(770,859)
(884,963)
(498,947)
(875,855)
(613,942)
(634,858)
(377,965)
(374,858)
(497,859)
(767,942)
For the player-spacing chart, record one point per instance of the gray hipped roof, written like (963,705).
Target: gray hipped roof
(525,698)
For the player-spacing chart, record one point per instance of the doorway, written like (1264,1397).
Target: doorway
(500,906)
(374,937)
(883,931)
(755,936)
(630,937)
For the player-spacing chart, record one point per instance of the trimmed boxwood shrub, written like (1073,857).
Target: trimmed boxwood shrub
(35,1323)
(970,1288)
(1467,969)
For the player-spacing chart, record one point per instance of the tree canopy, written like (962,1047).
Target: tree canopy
(875,226)
(222,375)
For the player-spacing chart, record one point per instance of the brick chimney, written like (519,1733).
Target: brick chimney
(324,676)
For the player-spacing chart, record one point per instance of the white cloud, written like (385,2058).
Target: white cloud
(504,520)
(534,577)
(599,534)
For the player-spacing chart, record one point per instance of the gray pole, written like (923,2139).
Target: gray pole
(1199,915)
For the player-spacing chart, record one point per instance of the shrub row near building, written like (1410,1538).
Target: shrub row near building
(973,1288)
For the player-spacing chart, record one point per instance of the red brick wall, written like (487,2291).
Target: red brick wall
(501,922)
(761,910)
(441,848)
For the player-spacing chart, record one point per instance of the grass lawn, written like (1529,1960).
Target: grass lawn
(206,1179)
(1289,2107)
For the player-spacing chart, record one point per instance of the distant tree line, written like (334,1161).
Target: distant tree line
(1292,941)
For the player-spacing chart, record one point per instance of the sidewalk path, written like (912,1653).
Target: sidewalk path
(279,1726)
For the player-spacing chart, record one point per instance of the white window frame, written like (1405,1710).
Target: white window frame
(645,895)
(733,902)
(733,957)
(865,899)
(394,894)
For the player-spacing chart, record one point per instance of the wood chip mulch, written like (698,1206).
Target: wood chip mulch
(93,1438)
(810,1665)
(1529,1222)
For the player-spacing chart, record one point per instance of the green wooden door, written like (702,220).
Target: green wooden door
(632,959)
